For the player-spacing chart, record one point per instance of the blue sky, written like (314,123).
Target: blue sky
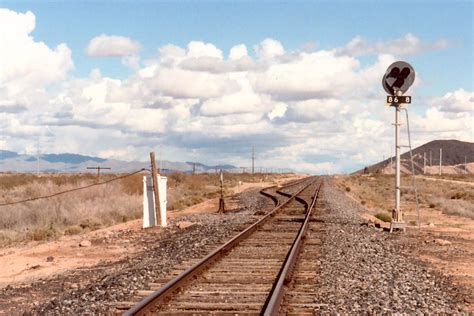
(441,33)
(327,24)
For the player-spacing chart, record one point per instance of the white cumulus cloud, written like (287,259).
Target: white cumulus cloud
(112,46)
(457,101)
(28,66)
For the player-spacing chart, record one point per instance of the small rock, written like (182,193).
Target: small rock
(85,243)
(185,224)
(74,286)
(50,259)
(36,266)
(442,242)
(431,225)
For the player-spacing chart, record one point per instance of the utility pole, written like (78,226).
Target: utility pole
(194,167)
(154,176)
(253,160)
(424,163)
(440,159)
(98,168)
(465,164)
(431,161)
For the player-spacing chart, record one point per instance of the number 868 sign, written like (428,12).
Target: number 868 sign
(399,100)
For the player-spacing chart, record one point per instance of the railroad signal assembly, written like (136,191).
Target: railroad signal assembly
(397,79)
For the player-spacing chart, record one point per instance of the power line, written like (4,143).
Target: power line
(71,190)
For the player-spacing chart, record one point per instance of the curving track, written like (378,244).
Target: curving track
(249,274)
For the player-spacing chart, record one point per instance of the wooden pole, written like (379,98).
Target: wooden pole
(154,175)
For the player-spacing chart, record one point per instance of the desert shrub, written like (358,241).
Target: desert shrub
(42,233)
(384,217)
(456,207)
(458,195)
(73,230)
(348,189)
(363,202)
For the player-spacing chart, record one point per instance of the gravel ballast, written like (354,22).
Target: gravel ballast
(363,269)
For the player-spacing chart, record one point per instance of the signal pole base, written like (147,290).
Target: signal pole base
(398,225)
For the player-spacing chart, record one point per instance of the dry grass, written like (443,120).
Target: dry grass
(95,207)
(74,212)
(378,191)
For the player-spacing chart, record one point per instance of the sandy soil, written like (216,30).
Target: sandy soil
(453,259)
(31,261)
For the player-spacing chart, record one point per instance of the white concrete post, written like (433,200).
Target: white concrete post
(149,218)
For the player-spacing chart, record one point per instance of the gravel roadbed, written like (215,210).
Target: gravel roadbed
(363,269)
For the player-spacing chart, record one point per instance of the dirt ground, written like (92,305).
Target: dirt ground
(31,261)
(444,241)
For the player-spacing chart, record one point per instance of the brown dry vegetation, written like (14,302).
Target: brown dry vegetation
(449,197)
(95,207)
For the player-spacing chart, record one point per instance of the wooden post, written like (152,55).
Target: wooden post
(221,199)
(154,175)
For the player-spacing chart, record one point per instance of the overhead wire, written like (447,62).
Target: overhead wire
(72,190)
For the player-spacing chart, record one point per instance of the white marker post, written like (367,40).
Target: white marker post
(149,218)
(396,81)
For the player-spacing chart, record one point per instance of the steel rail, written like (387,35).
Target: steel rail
(288,184)
(160,295)
(274,299)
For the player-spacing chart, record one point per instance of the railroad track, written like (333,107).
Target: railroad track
(251,273)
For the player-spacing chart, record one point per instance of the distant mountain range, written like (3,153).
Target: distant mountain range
(454,155)
(11,161)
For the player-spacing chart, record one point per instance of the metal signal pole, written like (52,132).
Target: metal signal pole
(398,215)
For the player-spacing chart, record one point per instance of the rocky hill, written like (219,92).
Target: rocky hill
(455,154)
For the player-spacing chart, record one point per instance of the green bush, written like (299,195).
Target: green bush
(384,217)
